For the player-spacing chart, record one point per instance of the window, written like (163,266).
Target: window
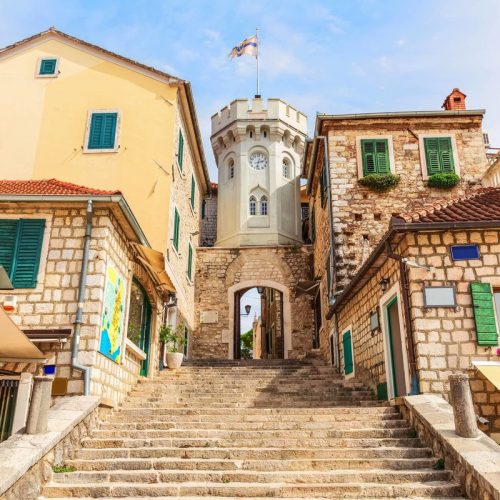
(263,205)
(102,131)
(317,320)
(285,169)
(47,67)
(230,170)
(253,205)
(193,192)
(203,209)
(177,230)
(439,155)
(375,153)
(20,248)
(190,263)
(304,209)
(180,150)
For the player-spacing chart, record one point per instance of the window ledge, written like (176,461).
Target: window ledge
(93,151)
(138,353)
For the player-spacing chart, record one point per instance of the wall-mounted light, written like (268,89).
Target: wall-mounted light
(260,290)
(384,284)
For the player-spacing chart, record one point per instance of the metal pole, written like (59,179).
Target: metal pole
(257,59)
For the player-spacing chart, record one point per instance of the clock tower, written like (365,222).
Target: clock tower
(258,147)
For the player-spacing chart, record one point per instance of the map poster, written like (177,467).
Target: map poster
(113,315)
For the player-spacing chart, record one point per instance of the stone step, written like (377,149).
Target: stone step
(367,432)
(251,453)
(215,464)
(243,476)
(252,425)
(238,490)
(408,442)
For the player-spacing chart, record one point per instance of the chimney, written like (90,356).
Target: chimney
(454,101)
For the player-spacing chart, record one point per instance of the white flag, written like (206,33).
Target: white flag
(248,46)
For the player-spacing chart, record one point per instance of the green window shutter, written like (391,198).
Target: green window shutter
(193,192)
(190,262)
(375,153)
(439,155)
(446,155)
(8,230)
(47,67)
(484,313)
(180,150)
(323,184)
(177,228)
(102,131)
(203,209)
(348,358)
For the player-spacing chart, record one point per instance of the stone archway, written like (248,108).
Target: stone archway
(287,310)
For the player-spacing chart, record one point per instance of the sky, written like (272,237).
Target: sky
(251,298)
(328,56)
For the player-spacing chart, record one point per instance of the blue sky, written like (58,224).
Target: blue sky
(337,56)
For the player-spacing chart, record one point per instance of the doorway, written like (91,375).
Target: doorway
(139,322)
(258,324)
(396,354)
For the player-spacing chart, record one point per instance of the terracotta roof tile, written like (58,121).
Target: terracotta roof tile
(482,205)
(48,187)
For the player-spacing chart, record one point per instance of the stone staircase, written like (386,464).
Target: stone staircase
(281,429)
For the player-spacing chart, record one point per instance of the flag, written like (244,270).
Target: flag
(248,46)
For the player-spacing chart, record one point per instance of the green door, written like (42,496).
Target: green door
(347,348)
(396,346)
(139,322)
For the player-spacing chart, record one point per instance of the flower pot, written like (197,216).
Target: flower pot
(174,360)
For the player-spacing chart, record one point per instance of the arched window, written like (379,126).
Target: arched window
(263,205)
(230,169)
(285,169)
(253,205)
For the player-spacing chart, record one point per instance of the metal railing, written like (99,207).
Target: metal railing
(8,397)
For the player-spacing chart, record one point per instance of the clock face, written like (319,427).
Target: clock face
(258,161)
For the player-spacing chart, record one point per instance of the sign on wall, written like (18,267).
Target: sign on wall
(113,315)
(207,317)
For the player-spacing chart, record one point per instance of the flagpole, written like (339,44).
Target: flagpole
(257,58)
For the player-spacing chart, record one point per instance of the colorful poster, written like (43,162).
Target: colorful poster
(113,315)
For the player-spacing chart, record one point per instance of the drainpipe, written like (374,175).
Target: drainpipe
(405,286)
(75,345)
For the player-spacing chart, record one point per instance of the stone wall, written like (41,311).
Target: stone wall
(220,272)
(53,303)
(208,233)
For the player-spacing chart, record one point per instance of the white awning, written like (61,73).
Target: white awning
(14,345)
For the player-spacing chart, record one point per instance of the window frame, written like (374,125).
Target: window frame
(176,230)
(252,199)
(423,154)
(39,67)
(264,202)
(90,113)
(190,259)
(179,155)
(359,152)
(192,195)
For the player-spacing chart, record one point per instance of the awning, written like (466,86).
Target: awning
(14,345)
(154,262)
(491,370)
(307,287)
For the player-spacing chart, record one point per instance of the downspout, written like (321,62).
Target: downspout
(75,346)
(405,287)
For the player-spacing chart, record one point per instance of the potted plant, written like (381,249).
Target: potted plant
(443,181)
(173,341)
(380,182)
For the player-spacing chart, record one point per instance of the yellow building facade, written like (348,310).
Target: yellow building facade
(78,113)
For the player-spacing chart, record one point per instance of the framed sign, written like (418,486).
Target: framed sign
(465,252)
(440,296)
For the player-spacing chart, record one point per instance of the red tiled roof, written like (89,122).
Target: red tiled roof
(48,187)
(214,186)
(482,205)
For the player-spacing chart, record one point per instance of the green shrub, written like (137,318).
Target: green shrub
(59,469)
(443,181)
(380,182)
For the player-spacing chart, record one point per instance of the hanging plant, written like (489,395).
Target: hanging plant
(443,181)
(380,182)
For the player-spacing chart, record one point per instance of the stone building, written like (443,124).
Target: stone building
(208,231)
(44,226)
(426,304)
(258,147)
(83,114)
(348,215)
